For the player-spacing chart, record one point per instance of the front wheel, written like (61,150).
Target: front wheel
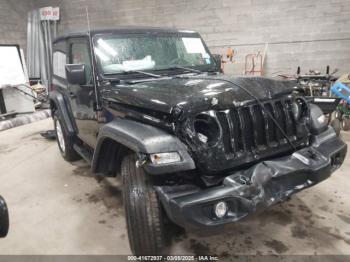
(144,215)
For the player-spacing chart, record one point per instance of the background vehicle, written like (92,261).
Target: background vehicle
(342,90)
(316,88)
(192,145)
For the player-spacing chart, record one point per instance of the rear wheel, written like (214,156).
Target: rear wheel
(144,215)
(337,114)
(64,141)
(345,123)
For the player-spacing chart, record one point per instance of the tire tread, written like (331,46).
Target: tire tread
(143,210)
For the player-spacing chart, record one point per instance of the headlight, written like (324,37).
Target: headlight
(318,122)
(165,158)
(296,108)
(207,128)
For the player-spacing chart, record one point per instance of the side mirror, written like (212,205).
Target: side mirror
(4,218)
(76,74)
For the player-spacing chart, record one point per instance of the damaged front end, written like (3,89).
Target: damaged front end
(257,187)
(236,145)
(249,157)
(228,139)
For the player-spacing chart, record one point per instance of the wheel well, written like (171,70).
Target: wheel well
(110,157)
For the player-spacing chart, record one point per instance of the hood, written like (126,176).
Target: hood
(197,93)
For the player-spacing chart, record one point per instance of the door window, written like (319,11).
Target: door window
(59,59)
(80,54)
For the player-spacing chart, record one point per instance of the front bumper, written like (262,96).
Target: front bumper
(257,187)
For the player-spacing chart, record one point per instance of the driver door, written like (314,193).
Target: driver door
(83,97)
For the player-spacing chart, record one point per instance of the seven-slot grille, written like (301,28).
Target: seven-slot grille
(250,128)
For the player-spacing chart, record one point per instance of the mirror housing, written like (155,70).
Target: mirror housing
(217,59)
(4,218)
(76,74)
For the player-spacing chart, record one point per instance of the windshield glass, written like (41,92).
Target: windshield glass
(120,53)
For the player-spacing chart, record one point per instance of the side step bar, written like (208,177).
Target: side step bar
(86,154)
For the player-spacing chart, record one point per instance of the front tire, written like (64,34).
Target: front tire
(64,141)
(144,215)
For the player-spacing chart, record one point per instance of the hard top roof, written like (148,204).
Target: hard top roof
(122,30)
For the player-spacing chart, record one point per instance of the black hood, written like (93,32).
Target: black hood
(198,93)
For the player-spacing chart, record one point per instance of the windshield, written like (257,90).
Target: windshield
(120,53)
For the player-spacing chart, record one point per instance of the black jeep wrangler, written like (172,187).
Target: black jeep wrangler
(193,146)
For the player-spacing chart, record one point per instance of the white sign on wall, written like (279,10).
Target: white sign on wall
(50,13)
(55,13)
(13,73)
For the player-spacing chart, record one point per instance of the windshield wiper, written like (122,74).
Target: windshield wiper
(135,71)
(185,68)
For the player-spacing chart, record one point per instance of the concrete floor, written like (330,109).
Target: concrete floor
(59,208)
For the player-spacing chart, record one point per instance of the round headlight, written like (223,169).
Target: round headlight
(296,109)
(206,128)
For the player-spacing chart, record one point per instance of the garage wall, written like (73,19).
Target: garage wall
(13,21)
(307,33)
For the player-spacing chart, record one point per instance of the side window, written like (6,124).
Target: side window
(59,59)
(80,54)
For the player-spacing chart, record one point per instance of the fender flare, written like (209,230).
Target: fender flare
(58,100)
(144,139)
